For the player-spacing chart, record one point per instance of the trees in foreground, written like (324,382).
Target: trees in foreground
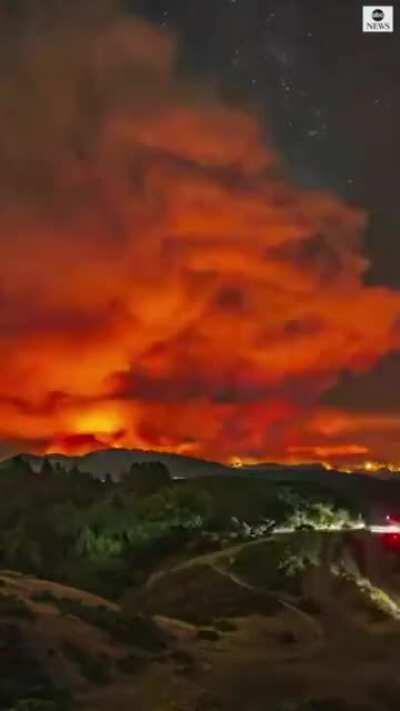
(107,536)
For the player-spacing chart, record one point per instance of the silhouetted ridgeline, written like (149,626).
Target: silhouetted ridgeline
(374,494)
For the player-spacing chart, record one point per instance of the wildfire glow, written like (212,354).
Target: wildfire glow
(99,422)
(236,462)
(163,284)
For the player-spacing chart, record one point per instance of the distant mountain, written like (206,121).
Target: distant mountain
(382,486)
(117,462)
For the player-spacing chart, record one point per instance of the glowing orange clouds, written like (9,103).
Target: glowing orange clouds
(162,284)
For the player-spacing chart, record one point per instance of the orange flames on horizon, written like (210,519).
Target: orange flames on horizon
(163,284)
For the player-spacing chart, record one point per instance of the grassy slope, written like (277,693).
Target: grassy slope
(75,649)
(249,640)
(310,634)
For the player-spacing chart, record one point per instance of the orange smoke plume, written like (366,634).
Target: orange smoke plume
(162,283)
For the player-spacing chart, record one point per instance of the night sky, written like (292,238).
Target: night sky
(327,91)
(200,229)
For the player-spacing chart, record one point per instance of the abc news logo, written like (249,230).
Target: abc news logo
(378,19)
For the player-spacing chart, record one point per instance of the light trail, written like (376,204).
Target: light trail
(372,528)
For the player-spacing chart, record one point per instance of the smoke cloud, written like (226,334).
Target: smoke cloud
(163,284)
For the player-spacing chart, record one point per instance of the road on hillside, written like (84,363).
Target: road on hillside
(211,558)
(372,528)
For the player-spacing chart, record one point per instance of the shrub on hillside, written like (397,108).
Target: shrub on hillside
(13,606)
(136,630)
(94,669)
